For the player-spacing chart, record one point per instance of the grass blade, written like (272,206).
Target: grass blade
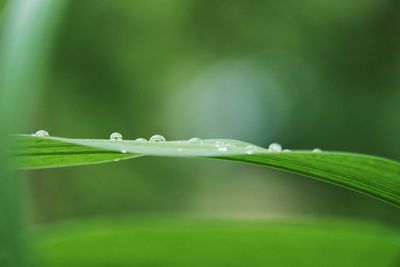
(374,176)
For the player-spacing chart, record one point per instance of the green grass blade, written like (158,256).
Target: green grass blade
(374,176)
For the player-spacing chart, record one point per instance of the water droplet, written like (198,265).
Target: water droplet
(41,133)
(275,147)
(287,150)
(116,137)
(124,150)
(251,150)
(157,139)
(140,140)
(195,141)
(221,146)
(317,150)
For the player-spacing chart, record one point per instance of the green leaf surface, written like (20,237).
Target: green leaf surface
(375,176)
(189,242)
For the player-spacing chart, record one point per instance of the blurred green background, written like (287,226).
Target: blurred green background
(302,73)
(305,74)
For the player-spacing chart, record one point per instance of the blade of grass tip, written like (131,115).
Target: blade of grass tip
(25,39)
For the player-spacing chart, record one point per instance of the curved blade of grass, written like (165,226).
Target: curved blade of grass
(374,176)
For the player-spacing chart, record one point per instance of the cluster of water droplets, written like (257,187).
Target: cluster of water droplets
(276,148)
(154,139)
(220,145)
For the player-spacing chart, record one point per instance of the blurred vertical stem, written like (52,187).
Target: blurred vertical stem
(25,41)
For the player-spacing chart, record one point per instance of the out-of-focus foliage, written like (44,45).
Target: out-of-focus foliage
(204,243)
(305,74)
(25,38)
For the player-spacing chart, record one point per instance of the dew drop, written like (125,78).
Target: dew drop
(195,141)
(275,147)
(116,137)
(316,150)
(124,150)
(157,139)
(287,150)
(251,150)
(140,140)
(41,133)
(221,146)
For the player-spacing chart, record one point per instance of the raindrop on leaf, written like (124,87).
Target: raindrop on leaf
(157,139)
(41,133)
(116,137)
(195,141)
(275,147)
